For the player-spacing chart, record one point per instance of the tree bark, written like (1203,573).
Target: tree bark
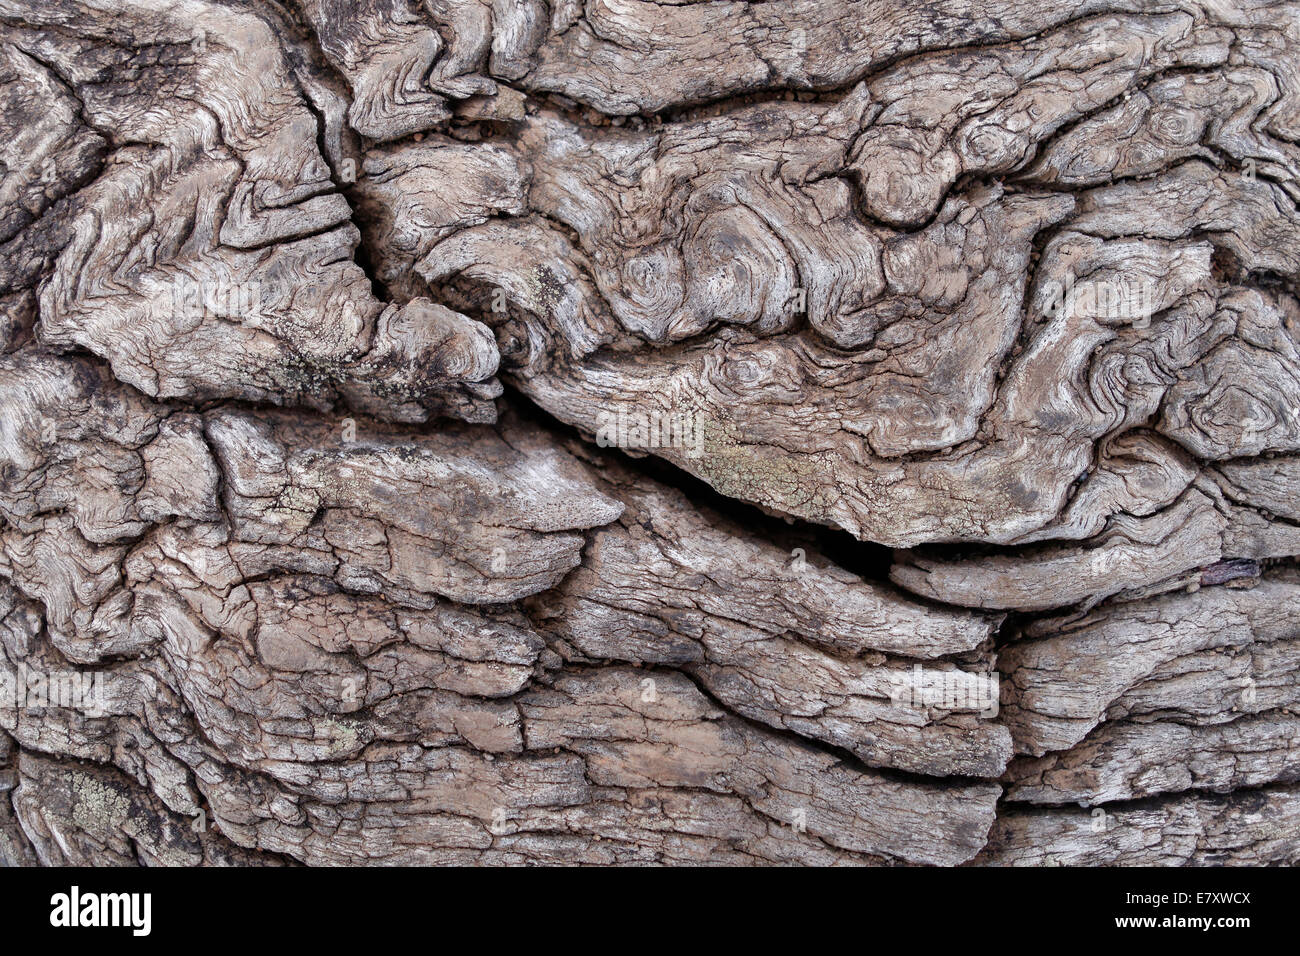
(611,431)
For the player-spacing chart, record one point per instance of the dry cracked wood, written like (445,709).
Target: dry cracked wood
(608,431)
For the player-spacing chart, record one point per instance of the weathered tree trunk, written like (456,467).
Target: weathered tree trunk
(616,431)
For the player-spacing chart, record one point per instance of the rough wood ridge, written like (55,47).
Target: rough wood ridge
(618,431)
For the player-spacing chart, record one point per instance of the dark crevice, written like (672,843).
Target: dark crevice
(866,559)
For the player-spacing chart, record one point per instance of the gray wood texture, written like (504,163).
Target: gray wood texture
(626,432)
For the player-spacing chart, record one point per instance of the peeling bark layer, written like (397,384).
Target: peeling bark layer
(618,432)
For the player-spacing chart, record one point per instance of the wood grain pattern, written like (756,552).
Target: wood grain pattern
(619,432)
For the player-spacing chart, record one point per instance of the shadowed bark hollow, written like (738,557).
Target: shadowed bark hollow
(619,432)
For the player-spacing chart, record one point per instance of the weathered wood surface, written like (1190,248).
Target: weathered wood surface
(608,431)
